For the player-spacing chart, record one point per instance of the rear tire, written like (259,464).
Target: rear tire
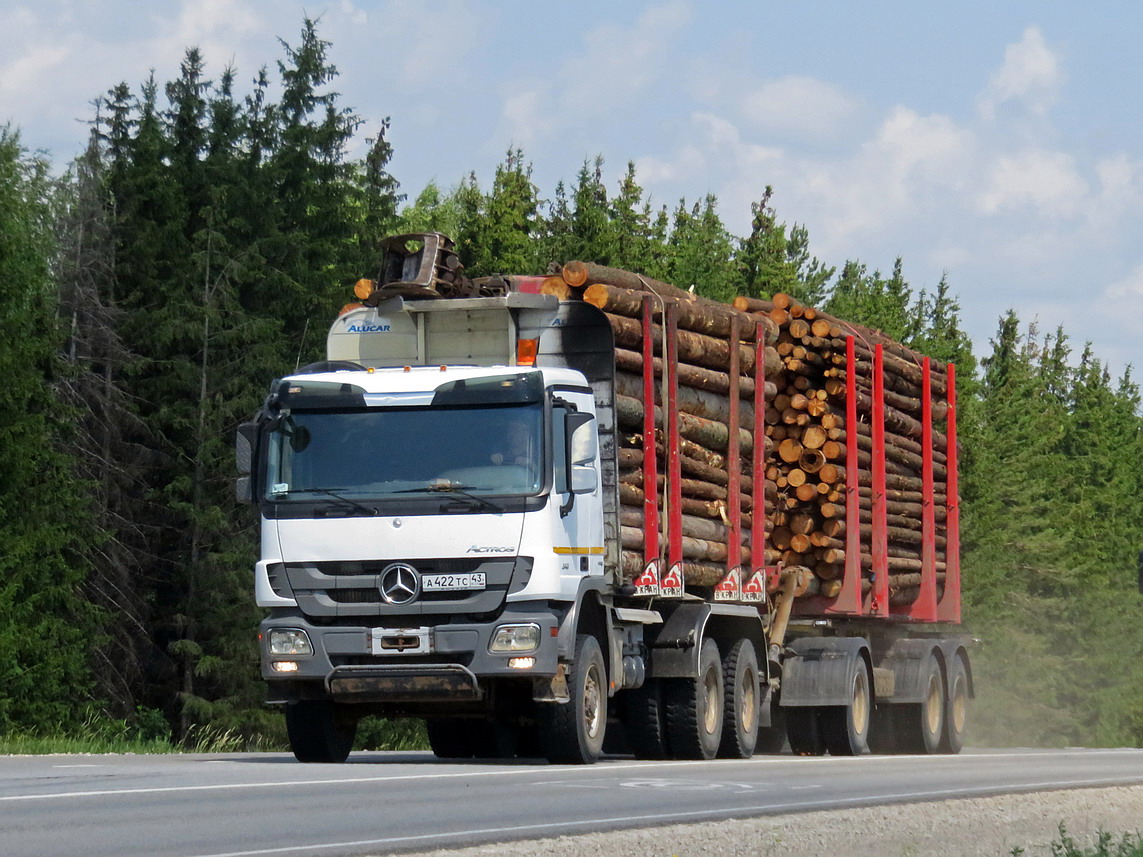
(573,732)
(319,731)
(920,727)
(644,721)
(470,737)
(772,738)
(740,706)
(449,739)
(694,708)
(956,708)
(803,732)
(845,728)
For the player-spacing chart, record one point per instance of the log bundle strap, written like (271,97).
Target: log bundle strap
(800,439)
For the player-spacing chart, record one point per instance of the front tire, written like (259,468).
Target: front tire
(573,732)
(694,708)
(319,731)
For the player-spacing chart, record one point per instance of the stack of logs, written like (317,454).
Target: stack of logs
(804,451)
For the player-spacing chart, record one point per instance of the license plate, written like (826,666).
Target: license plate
(446,582)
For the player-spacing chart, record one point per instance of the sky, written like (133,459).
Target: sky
(997,144)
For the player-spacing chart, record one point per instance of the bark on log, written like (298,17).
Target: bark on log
(698,377)
(711,434)
(711,319)
(696,348)
(711,406)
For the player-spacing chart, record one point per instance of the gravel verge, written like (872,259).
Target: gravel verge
(971,827)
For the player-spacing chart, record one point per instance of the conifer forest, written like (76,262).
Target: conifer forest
(211,230)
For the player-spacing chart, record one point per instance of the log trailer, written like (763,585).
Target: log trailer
(504,509)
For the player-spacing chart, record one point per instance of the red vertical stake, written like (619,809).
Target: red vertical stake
(650,465)
(949,608)
(734,457)
(730,589)
(758,466)
(674,574)
(924,608)
(849,599)
(879,605)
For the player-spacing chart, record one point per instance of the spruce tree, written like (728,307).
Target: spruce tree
(46,525)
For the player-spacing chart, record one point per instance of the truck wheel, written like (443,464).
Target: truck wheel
(468,737)
(643,720)
(956,709)
(693,708)
(573,732)
(921,726)
(803,732)
(845,728)
(884,730)
(772,738)
(319,731)
(740,702)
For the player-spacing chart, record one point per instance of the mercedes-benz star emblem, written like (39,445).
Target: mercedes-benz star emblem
(399,583)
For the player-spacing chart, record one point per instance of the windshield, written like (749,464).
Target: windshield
(373,453)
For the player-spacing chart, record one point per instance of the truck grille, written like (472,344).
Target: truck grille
(351,590)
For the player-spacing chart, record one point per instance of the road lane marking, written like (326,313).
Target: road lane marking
(631,820)
(606,768)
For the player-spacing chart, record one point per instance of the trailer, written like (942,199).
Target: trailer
(487,509)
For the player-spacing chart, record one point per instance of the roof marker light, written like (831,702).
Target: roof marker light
(526,350)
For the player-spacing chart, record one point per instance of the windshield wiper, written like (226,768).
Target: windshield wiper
(360,508)
(447,486)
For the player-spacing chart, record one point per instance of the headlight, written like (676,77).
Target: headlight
(515,638)
(290,641)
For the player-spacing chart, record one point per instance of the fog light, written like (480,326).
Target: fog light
(285,666)
(289,641)
(521,663)
(515,638)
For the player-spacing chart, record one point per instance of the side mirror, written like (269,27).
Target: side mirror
(244,445)
(582,448)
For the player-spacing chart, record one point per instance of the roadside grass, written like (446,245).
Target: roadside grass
(150,733)
(1105,845)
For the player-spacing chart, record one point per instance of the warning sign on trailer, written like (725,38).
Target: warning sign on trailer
(754,589)
(730,587)
(671,586)
(648,582)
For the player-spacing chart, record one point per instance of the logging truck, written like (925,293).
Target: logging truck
(558,516)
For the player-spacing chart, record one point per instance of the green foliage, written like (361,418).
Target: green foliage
(376,733)
(1050,547)
(699,251)
(46,629)
(1105,845)
(205,231)
(770,261)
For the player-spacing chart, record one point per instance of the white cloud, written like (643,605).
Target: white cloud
(802,106)
(1130,286)
(605,74)
(617,63)
(1030,77)
(25,71)
(1040,183)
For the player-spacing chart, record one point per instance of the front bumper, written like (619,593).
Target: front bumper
(382,664)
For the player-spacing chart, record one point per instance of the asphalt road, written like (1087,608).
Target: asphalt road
(254,804)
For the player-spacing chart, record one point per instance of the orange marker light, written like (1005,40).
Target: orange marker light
(349,308)
(526,350)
